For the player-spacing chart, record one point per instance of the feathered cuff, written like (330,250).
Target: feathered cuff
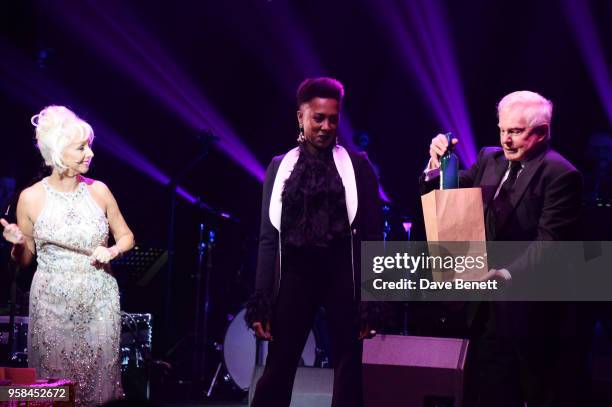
(258,308)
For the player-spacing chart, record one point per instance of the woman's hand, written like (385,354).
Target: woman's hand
(103,254)
(366,332)
(12,233)
(262,331)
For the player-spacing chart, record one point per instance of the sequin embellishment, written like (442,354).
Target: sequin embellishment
(75,319)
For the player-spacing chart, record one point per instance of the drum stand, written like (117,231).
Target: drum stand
(200,334)
(206,138)
(240,352)
(214,380)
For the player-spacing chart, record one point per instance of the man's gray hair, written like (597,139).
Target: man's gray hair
(537,110)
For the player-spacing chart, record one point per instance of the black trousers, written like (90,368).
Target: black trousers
(312,278)
(541,361)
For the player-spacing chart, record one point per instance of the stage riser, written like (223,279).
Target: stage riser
(312,386)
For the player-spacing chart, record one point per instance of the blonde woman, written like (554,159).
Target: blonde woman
(64,221)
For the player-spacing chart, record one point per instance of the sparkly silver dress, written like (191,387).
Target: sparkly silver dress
(75,319)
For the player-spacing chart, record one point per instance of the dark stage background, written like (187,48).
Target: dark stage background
(148,75)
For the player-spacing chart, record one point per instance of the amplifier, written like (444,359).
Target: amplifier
(419,371)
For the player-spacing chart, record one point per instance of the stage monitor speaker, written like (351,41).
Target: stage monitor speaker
(312,387)
(412,371)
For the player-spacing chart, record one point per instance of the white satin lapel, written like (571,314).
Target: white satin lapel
(347,173)
(284,170)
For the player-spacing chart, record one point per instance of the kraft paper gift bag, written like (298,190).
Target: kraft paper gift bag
(456,215)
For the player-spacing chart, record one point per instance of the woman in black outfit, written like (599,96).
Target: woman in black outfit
(319,202)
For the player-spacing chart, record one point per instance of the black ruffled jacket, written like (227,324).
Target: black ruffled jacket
(366,225)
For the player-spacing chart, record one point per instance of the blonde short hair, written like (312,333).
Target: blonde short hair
(56,127)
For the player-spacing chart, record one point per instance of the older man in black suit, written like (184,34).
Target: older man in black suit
(530,193)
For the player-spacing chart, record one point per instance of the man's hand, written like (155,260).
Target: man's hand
(262,331)
(12,233)
(503,276)
(437,148)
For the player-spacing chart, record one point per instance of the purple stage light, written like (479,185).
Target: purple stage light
(584,30)
(431,24)
(407,226)
(345,132)
(20,80)
(426,49)
(304,62)
(408,229)
(299,59)
(383,194)
(411,56)
(438,31)
(299,49)
(137,54)
(190,198)
(114,144)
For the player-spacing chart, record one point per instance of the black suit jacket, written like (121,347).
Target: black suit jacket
(546,206)
(546,197)
(366,225)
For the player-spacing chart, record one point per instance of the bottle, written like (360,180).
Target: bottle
(449,167)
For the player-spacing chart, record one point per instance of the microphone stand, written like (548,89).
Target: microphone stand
(203,272)
(207,138)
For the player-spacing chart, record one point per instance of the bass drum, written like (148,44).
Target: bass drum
(240,351)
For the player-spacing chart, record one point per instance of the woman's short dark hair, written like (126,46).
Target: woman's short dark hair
(311,88)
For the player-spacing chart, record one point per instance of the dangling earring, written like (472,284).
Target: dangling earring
(301,138)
